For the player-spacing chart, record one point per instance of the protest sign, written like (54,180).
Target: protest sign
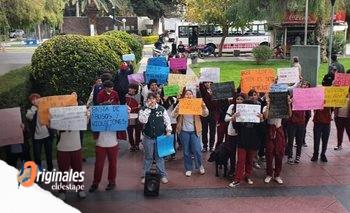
(128,57)
(137,78)
(182,80)
(279,88)
(248,113)
(10,126)
(72,118)
(157,61)
(342,79)
(45,103)
(335,96)
(165,145)
(222,90)
(258,79)
(279,106)
(308,98)
(178,63)
(109,118)
(288,75)
(190,106)
(158,73)
(210,74)
(171,90)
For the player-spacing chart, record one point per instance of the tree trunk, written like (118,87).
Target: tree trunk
(155,28)
(321,36)
(224,35)
(77,9)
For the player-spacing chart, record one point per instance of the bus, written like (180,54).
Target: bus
(239,40)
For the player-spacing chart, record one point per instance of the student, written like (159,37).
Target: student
(322,128)
(40,134)
(306,84)
(107,143)
(222,124)
(134,125)
(342,121)
(98,86)
(248,144)
(151,87)
(169,104)
(275,145)
(156,123)
(189,128)
(121,81)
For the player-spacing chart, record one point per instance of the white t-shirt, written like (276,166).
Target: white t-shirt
(188,123)
(107,139)
(69,141)
(230,130)
(274,121)
(41,132)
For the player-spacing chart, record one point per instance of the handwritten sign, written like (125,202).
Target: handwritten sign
(308,98)
(171,90)
(279,107)
(335,96)
(158,73)
(128,57)
(190,106)
(10,126)
(288,75)
(109,118)
(248,113)
(165,145)
(68,118)
(182,80)
(279,88)
(178,63)
(45,103)
(210,74)
(157,61)
(137,78)
(342,79)
(222,90)
(258,79)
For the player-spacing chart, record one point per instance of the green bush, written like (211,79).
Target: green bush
(71,63)
(132,42)
(139,38)
(115,44)
(262,54)
(339,43)
(150,39)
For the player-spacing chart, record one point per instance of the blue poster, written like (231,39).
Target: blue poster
(165,145)
(129,57)
(279,88)
(109,118)
(158,61)
(158,73)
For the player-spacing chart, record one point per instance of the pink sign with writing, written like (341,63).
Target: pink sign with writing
(308,98)
(137,78)
(178,63)
(341,79)
(10,126)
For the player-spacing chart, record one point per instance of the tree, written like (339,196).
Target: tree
(154,9)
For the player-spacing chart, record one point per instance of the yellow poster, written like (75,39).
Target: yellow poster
(335,96)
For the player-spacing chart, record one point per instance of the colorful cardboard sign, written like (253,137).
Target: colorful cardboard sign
(210,74)
(10,126)
(178,63)
(72,118)
(171,90)
(128,57)
(288,75)
(336,96)
(158,73)
(248,113)
(165,145)
(308,98)
(109,118)
(279,106)
(342,79)
(137,78)
(222,90)
(190,106)
(279,88)
(258,79)
(157,61)
(182,80)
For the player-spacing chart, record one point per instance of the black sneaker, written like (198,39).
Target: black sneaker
(93,188)
(204,149)
(314,158)
(110,186)
(211,149)
(297,160)
(324,158)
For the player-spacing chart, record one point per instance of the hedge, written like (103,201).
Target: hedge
(71,63)
(115,44)
(150,39)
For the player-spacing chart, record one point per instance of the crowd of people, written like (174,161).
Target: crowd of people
(253,143)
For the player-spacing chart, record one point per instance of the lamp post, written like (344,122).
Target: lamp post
(331,34)
(113,14)
(306,21)
(124,21)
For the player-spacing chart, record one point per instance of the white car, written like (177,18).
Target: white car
(16,34)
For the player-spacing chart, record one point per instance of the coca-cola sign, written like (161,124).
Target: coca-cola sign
(297,18)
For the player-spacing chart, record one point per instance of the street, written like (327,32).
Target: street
(14,60)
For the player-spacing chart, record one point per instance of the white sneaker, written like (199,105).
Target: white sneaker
(188,173)
(202,170)
(267,179)
(143,180)
(82,194)
(164,180)
(233,184)
(62,196)
(256,165)
(279,180)
(249,181)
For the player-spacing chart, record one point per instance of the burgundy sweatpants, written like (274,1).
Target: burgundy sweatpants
(275,147)
(67,160)
(244,163)
(221,133)
(341,124)
(112,155)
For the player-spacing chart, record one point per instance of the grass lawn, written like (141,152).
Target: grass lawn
(231,70)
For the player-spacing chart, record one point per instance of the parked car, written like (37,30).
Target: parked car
(16,34)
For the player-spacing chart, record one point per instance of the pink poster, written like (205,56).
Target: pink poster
(342,79)
(10,126)
(308,98)
(136,78)
(178,63)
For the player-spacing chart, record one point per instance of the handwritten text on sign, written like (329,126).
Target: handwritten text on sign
(222,90)
(68,118)
(171,90)
(109,118)
(158,73)
(279,107)
(210,74)
(308,98)
(248,113)
(279,88)
(157,61)
(288,75)
(342,79)
(182,80)
(10,126)
(258,79)
(190,106)
(335,96)
(178,63)
(137,78)
(46,103)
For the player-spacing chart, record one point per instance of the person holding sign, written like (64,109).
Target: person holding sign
(156,123)
(133,100)
(151,87)
(189,128)
(121,81)
(342,121)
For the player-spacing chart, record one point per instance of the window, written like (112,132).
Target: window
(183,32)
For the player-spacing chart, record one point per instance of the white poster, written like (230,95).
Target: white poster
(211,74)
(68,118)
(288,75)
(248,113)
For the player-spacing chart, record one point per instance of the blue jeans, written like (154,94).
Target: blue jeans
(191,145)
(150,147)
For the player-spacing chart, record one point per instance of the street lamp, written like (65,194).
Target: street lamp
(306,20)
(331,34)
(124,21)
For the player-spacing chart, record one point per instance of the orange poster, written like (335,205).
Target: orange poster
(191,106)
(258,79)
(45,103)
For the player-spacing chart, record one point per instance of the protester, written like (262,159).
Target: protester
(339,66)
(156,123)
(189,128)
(296,64)
(151,87)
(342,121)
(329,77)
(133,100)
(169,104)
(181,48)
(306,84)
(121,81)
(98,86)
